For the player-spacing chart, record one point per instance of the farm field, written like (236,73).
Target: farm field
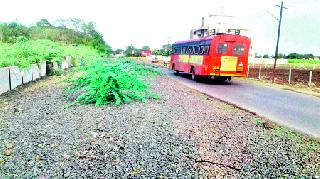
(181,133)
(302,62)
(299,77)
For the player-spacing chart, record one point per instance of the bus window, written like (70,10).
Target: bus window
(196,50)
(175,50)
(238,49)
(222,49)
(190,50)
(178,50)
(184,50)
(206,50)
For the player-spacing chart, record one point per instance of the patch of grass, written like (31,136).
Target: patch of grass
(304,63)
(257,121)
(305,143)
(113,82)
(280,152)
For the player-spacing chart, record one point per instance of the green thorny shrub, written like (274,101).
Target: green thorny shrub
(113,82)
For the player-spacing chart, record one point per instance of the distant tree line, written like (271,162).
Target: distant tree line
(290,56)
(67,31)
(164,51)
(132,51)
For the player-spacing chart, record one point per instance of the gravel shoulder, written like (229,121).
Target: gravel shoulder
(184,134)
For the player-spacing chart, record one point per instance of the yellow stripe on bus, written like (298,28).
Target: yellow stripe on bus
(193,59)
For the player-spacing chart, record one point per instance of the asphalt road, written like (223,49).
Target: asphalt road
(295,110)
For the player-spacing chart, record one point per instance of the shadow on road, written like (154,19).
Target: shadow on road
(204,80)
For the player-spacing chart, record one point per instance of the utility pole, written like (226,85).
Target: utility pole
(277,47)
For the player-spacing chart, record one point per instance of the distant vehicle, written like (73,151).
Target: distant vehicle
(220,56)
(146,53)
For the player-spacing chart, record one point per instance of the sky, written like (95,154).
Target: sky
(157,22)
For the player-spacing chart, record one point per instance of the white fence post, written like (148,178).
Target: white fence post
(4,80)
(260,73)
(310,78)
(35,72)
(290,75)
(43,68)
(15,77)
(26,75)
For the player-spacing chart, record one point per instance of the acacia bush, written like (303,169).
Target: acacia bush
(113,82)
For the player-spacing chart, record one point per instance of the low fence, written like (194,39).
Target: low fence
(12,77)
(286,74)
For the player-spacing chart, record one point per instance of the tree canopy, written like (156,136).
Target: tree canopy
(65,31)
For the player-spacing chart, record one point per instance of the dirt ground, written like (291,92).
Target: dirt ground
(184,134)
(298,76)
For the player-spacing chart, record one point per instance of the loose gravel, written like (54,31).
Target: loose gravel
(184,134)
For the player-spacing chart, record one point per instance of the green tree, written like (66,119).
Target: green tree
(118,51)
(145,48)
(43,23)
(167,46)
(281,55)
(67,31)
(9,32)
(294,56)
(265,56)
(308,56)
(131,51)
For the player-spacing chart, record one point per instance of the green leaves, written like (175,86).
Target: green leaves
(113,82)
(23,53)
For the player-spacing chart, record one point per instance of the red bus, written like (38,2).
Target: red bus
(221,56)
(146,53)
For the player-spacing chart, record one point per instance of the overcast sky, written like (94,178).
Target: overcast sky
(155,22)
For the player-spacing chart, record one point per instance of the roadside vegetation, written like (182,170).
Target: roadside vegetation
(24,52)
(304,62)
(113,82)
(21,45)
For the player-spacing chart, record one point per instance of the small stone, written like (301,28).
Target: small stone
(9,152)
(66,156)
(94,142)
(38,158)
(15,110)
(10,146)
(94,134)
(41,146)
